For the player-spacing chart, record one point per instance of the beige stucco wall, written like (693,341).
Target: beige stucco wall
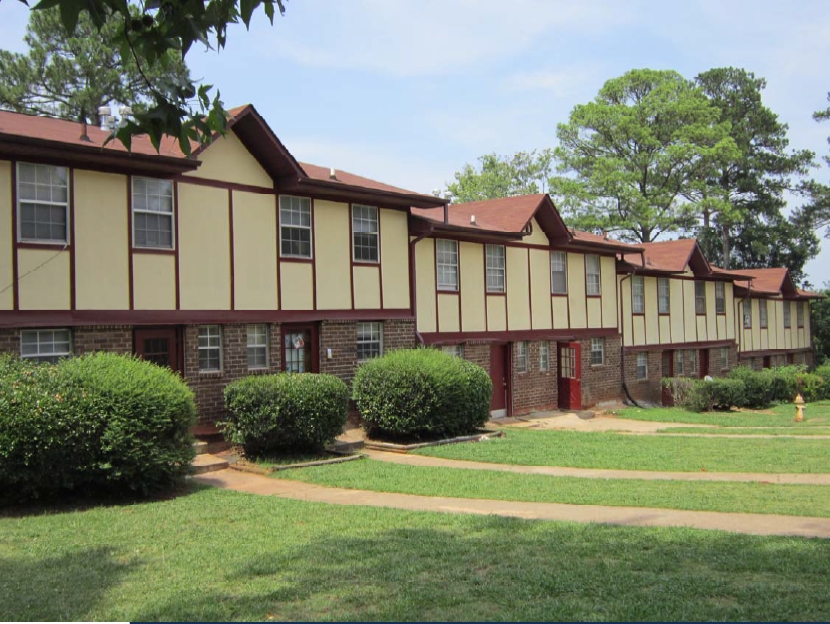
(496,313)
(366,287)
(204,248)
(537,236)
(425,285)
(154,282)
(473,312)
(254,251)
(102,236)
(559,310)
(296,287)
(448,313)
(518,296)
(394,254)
(609,291)
(333,256)
(540,288)
(6,234)
(46,288)
(576,291)
(228,160)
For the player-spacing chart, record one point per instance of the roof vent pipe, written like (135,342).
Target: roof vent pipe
(472,219)
(332,174)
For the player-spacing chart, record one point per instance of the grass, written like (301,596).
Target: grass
(219,555)
(784,431)
(271,461)
(783,415)
(378,476)
(630,452)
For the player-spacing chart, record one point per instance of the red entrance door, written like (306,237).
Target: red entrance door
(570,375)
(704,363)
(300,352)
(667,371)
(159,345)
(498,375)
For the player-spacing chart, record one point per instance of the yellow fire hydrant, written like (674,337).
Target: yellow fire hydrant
(799,408)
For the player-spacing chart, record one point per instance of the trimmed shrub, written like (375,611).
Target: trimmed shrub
(759,386)
(422,392)
(717,395)
(97,424)
(823,371)
(680,388)
(289,411)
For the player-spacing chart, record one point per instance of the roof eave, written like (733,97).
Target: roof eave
(401,199)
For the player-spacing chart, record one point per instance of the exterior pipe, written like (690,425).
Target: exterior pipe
(413,290)
(622,333)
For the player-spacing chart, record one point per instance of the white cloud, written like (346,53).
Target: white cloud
(567,82)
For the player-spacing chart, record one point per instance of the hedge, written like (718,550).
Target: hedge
(289,411)
(100,424)
(422,393)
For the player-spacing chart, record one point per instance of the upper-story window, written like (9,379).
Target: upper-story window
(446,255)
(558,272)
(592,275)
(787,313)
(295,226)
(799,313)
(365,233)
(152,213)
(720,298)
(762,312)
(747,313)
(638,295)
(495,268)
(42,203)
(663,295)
(700,297)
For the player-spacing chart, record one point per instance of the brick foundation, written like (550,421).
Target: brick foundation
(535,389)
(601,383)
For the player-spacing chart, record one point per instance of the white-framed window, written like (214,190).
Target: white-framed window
(210,348)
(747,313)
(724,358)
(679,364)
(454,350)
(663,295)
(544,356)
(700,297)
(295,226)
(720,298)
(494,258)
(42,203)
(369,341)
(365,234)
(593,285)
(787,314)
(257,346)
(799,313)
(153,207)
(693,356)
(45,345)
(446,256)
(597,351)
(642,365)
(638,294)
(558,273)
(521,357)
(762,313)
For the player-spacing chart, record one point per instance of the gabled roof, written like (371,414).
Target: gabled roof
(672,256)
(512,216)
(807,294)
(774,281)
(30,136)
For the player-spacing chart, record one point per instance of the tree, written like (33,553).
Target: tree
(635,154)
(818,209)
(748,188)
(820,324)
(72,76)
(179,108)
(501,176)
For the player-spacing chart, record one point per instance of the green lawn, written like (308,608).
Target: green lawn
(788,431)
(218,555)
(632,452)
(796,500)
(815,415)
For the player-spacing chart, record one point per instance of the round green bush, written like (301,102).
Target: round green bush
(101,424)
(289,411)
(422,392)
(719,394)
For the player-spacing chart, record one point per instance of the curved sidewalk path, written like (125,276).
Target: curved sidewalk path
(752,524)
(601,473)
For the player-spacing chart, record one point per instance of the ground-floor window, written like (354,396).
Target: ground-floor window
(544,356)
(521,357)
(679,367)
(642,365)
(369,341)
(45,345)
(210,348)
(597,351)
(724,358)
(454,350)
(257,346)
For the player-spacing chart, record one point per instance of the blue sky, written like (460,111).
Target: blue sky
(408,92)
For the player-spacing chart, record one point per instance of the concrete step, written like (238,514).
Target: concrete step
(208,463)
(200,446)
(346,446)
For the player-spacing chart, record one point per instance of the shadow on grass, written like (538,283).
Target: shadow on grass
(462,568)
(61,588)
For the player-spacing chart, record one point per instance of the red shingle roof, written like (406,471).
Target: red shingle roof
(316,172)
(669,256)
(505,215)
(769,281)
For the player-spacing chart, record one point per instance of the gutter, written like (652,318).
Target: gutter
(622,331)
(413,290)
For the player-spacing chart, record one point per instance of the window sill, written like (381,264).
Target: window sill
(447,291)
(300,259)
(558,294)
(499,293)
(597,366)
(598,296)
(211,373)
(42,245)
(154,250)
(366,262)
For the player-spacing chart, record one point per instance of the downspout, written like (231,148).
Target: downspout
(413,289)
(622,334)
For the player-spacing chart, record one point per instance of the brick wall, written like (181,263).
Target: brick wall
(601,382)
(10,341)
(341,338)
(112,338)
(478,353)
(535,389)
(648,389)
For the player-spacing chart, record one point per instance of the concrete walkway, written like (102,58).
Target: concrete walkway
(601,473)
(753,524)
